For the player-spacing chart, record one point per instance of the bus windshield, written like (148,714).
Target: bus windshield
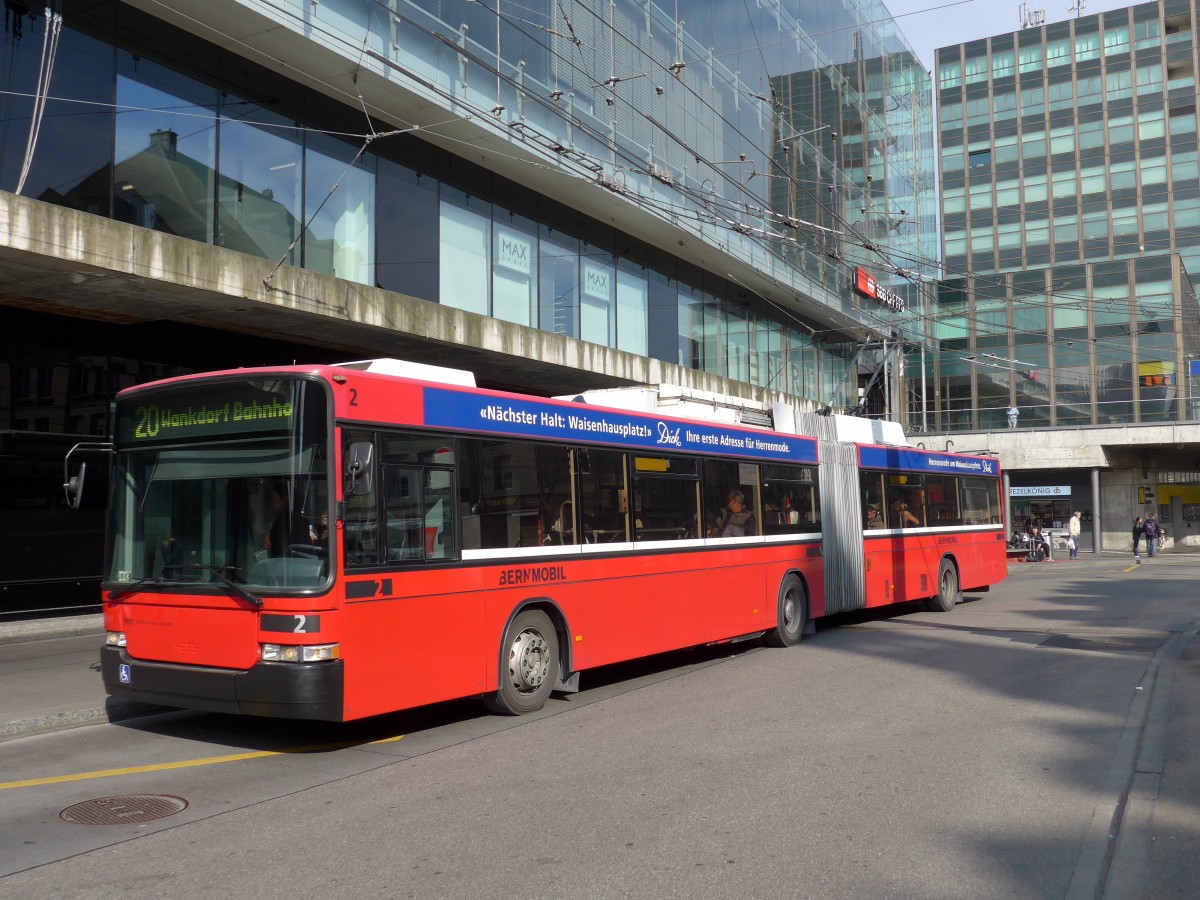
(221,484)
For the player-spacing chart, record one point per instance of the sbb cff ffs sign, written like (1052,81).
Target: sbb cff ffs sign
(866,285)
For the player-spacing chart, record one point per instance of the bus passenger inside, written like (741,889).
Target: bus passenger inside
(562,529)
(319,533)
(874,520)
(902,517)
(916,505)
(735,519)
(172,558)
(286,529)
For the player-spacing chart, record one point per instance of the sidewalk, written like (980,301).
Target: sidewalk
(50,679)
(1089,555)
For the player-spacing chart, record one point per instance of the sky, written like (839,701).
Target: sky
(930,24)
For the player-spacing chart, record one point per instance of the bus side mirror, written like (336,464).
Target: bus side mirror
(73,487)
(358,469)
(73,484)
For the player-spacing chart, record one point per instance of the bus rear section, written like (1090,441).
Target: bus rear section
(940,525)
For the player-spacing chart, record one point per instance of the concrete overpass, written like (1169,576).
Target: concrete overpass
(61,261)
(1128,470)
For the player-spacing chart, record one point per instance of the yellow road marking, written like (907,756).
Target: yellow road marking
(1131,568)
(188,763)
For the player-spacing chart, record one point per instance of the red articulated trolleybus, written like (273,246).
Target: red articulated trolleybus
(334,542)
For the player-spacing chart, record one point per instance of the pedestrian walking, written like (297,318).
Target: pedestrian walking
(1151,531)
(1139,529)
(1013,412)
(1073,529)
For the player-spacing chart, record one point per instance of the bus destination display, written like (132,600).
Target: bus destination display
(212,412)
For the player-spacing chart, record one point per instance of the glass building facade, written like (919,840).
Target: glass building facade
(1071,221)
(1066,345)
(697,125)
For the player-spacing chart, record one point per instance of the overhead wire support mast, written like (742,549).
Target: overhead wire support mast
(50,39)
(361,150)
(614,79)
(860,408)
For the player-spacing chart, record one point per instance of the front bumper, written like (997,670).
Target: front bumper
(281,690)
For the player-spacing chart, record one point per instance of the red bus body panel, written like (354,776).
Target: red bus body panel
(900,568)
(207,630)
(431,645)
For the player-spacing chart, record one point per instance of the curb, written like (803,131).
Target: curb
(1108,556)
(106,709)
(111,710)
(40,629)
(1134,829)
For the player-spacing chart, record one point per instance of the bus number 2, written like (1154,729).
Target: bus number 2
(295,623)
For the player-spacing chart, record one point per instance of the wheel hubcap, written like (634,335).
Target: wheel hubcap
(528,661)
(789,613)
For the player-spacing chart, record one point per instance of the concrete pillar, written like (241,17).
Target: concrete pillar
(1007,503)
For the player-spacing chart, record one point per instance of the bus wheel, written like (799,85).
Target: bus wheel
(948,593)
(789,614)
(529,665)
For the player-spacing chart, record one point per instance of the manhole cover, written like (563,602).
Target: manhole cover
(129,810)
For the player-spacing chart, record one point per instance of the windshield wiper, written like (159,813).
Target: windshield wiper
(135,586)
(219,573)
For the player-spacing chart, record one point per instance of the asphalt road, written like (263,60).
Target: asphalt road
(1028,744)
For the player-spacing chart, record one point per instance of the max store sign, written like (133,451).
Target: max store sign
(869,287)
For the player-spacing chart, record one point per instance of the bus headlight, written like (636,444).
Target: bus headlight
(114,639)
(299,653)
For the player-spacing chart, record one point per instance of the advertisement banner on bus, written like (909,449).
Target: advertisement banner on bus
(534,419)
(924,461)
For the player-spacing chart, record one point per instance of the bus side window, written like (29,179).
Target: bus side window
(666,504)
(789,500)
(515,490)
(603,499)
(943,501)
(436,511)
(871,494)
(405,535)
(721,477)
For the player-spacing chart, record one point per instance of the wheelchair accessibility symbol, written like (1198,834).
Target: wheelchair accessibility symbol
(123,673)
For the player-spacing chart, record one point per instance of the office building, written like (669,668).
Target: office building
(1071,250)
(1071,221)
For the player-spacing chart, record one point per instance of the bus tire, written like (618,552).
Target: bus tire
(528,665)
(948,593)
(790,614)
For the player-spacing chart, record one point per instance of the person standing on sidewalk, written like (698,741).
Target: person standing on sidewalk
(1138,530)
(1013,412)
(1151,529)
(1073,529)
